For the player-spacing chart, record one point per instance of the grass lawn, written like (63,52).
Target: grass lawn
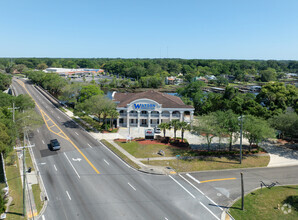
(15,187)
(36,192)
(212,163)
(28,160)
(263,204)
(150,150)
(116,151)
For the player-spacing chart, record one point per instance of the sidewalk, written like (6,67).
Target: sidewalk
(281,155)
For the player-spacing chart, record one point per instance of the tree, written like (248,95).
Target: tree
(276,97)
(5,81)
(268,75)
(286,123)
(53,83)
(207,127)
(221,81)
(184,126)
(21,67)
(175,124)
(42,66)
(164,126)
(230,124)
(256,129)
(107,106)
(24,102)
(4,138)
(89,91)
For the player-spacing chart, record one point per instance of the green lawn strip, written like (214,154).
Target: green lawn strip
(15,186)
(150,150)
(263,204)
(212,163)
(116,151)
(36,192)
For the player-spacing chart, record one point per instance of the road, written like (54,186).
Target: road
(85,180)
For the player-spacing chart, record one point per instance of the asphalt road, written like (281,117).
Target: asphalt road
(77,191)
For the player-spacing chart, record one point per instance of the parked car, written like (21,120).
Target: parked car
(55,145)
(157,130)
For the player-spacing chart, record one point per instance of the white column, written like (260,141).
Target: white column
(171,115)
(139,119)
(127,120)
(118,119)
(149,118)
(181,116)
(159,116)
(191,116)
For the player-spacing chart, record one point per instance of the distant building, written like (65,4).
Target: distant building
(70,72)
(200,78)
(150,108)
(172,80)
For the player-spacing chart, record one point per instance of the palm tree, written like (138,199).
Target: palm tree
(183,126)
(176,125)
(113,114)
(164,126)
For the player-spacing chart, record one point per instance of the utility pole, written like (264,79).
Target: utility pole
(24,172)
(242,192)
(13,111)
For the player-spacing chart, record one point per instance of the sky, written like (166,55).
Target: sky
(188,29)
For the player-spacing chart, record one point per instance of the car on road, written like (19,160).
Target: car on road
(157,130)
(55,145)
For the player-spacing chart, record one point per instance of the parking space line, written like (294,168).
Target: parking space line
(89,145)
(77,133)
(106,162)
(55,167)
(43,142)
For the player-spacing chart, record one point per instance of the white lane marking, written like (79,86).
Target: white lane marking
(55,167)
(191,184)
(37,131)
(166,218)
(190,176)
(58,117)
(131,186)
(42,141)
(209,211)
(52,111)
(106,162)
(77,133)
(201,192)
(72,165)
(183,187)
(89,145)
(43,218)
(68,195)
(214,203)
(114,154)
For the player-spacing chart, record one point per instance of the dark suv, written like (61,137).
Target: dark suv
(55,145)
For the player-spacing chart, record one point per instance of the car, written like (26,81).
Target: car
(55,145)
(157,130)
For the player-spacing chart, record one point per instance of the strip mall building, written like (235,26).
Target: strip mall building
(150,108)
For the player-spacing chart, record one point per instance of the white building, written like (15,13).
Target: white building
(150,108)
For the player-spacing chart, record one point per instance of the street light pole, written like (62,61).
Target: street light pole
(24,179)
(241,127)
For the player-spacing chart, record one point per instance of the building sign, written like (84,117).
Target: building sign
(144,106)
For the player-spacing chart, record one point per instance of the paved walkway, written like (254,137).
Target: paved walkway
(281,155)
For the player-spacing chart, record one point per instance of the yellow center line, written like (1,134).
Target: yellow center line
(61,132)
(205,181)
